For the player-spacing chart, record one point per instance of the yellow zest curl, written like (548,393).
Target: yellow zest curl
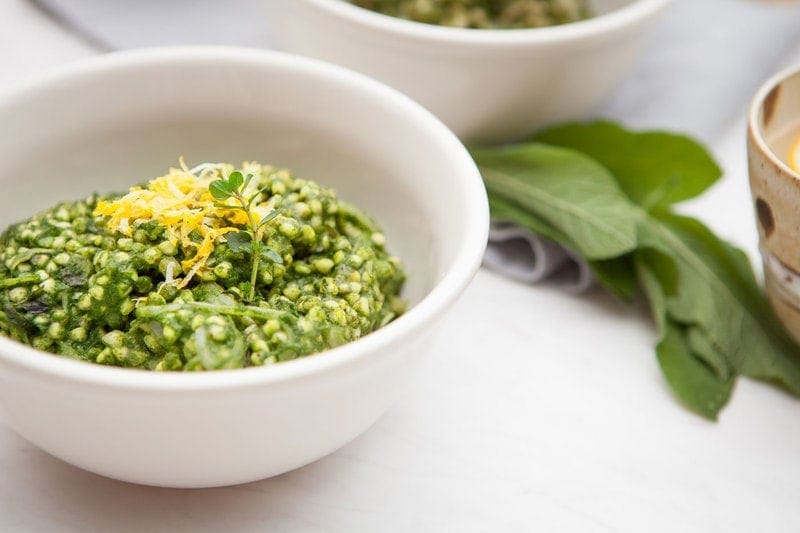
(181,203)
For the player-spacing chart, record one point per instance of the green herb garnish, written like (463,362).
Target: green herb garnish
(250,239)
(607,193)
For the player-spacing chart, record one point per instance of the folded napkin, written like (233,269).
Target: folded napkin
(704,61)
(524,256)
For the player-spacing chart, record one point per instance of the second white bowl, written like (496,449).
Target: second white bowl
(486,85)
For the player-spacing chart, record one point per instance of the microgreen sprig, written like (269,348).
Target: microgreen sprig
(250,239)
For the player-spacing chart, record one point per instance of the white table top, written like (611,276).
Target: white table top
(547,414)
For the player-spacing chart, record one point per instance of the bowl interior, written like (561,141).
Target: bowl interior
(777,118)
(113,123)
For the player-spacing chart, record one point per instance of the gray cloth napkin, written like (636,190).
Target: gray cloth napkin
(524,256)
(704,61)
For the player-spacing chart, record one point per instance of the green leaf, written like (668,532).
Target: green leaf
(503,211)
(219,190)
(711,355)
(719,296)
(272,255)
(616,276)
(662,268)
(699,388)
(235,180)
(241,241)
(714,320)
(25,279)
(18,322)
(271,216)
(568,190)
(693,383)
(654,168)
(653,289)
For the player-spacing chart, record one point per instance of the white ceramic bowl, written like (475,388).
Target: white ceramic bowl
(486,85)
(109,122)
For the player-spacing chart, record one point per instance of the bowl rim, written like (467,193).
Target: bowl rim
(757,104)
(616,19)
(445,291)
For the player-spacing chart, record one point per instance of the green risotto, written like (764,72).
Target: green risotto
(200,269)
(482,14)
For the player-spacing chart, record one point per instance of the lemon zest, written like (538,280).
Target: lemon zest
(182,204)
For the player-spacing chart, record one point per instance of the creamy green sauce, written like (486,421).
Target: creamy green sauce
(483,14)
(71,285)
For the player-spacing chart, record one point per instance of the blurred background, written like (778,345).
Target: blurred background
(704,60)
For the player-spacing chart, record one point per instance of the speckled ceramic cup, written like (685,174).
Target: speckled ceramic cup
(774,121)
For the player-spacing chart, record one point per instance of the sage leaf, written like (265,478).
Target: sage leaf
(692,382)
(695,385)
(654,290)
(615,275)
(711,355)
(606,193)
(654,168)
(504,211)
(719,295)
(568,190)
(660,266)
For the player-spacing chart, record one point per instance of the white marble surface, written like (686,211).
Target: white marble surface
(548,413)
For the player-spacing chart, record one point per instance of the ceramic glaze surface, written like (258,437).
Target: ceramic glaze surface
(488,86)
(775,189)
(115,120)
